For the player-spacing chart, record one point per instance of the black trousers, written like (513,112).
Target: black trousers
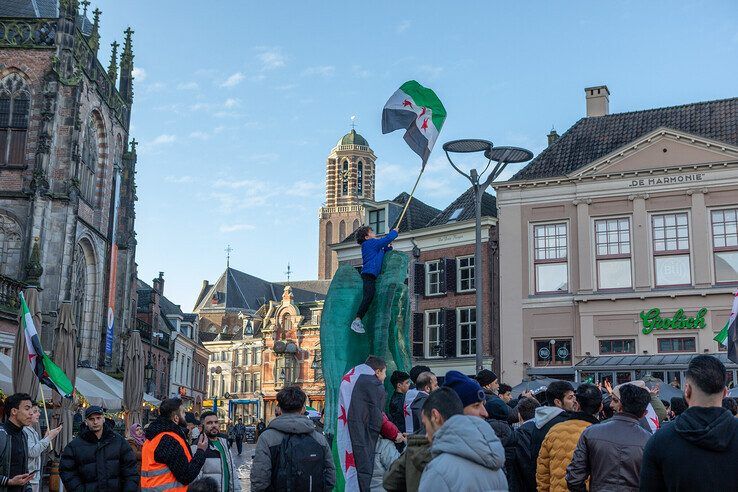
(369,289)
(239,444)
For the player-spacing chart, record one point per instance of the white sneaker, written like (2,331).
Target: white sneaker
(357,326)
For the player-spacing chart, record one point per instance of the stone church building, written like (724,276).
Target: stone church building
(67,168)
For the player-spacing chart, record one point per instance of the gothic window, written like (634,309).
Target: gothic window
(345,178)
(328,252)
(360,179)
(10,247)
(355,226)
(15,105)
(80,287)
(88,166)
(342,231)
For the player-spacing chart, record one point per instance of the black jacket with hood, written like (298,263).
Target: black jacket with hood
(695,452)
(171,453)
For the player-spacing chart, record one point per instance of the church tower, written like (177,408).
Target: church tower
(349,181)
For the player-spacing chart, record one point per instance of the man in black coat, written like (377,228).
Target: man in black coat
(698,450)
(401,383)
(98,458)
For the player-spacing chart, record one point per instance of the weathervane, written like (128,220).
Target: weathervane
(288,272)
(353,122)
(228,251)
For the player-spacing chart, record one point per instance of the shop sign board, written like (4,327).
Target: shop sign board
(652,320)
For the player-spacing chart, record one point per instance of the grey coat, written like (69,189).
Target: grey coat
(385,454)
(36,447)
(467,455)
(288,423)
(610,453)
(213,468)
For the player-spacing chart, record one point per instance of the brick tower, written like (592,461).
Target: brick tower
(349,181)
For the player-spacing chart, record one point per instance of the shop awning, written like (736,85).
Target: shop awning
(660,362)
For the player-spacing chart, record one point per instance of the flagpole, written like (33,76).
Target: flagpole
(407,204)
(46,414)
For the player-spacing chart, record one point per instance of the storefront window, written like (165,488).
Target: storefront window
(550,258)
(612,243)
(725,244)
(682,344)
(624,377)
(557,353)
(671,249)
(626,346)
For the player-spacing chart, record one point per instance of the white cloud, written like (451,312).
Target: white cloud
(179,179)
(321,71)
(230,103)
(233,80)
(236,228)
(188,86)
(250,184)
(163,140)
(403,26)
(270,58)
(139,74)
(198,135)
(431,71)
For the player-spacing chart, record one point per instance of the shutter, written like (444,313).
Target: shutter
(449,335)
(419,280)
(418,338)
(450,274)
(441,276)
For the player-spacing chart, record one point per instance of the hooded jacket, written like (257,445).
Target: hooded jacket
(386,454)
(467,455)
(91,464)
(695,452)
(405,472)
(270,441)
(557,451)
(546,417)
(171,453)
(525,465)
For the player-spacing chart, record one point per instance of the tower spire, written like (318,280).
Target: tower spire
(95,34)
(113,67)
(126,68)
(228,251)
(288,272)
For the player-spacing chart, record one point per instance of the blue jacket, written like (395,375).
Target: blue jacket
(372,253)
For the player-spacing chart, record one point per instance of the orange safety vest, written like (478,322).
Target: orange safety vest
(155,476)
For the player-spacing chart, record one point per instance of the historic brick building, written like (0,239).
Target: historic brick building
(156,336)
(65,165)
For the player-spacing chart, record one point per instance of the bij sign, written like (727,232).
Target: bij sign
(652,320)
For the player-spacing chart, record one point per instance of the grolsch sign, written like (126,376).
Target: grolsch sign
(652,320)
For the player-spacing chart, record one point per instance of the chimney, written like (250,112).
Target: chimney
(159,283)
(552,137)
(598,100)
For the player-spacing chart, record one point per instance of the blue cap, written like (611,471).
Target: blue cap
(468,390)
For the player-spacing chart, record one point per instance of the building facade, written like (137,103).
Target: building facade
(67,173)
(618,244)
(156,336)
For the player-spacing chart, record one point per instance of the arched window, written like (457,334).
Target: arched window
(86,175)
(15,105)
(345,178)
(80,289)
(360,179)
(10,247)
(328,252)
(342,231)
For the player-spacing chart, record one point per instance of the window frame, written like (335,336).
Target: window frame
(601,340)
(345,166)
(459,339)
(426,333)
(678,252)
(20,93)
(549,261)
(659,339)
(360,178)
(721,249)
(375,225)
(610,257)
(472,279)
(553,362)
(427,274)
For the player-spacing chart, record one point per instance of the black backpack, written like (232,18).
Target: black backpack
(298,465)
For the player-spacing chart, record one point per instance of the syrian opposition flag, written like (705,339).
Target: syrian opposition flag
(360,402)
(417,110)
(652,418)
(407,412)
(728,335)
(43,367)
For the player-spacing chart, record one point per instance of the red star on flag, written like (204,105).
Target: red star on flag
(349,461)
(404,410)
(425,124)
(343,417)
(406,103)
(347,377)
(30,357)
(655,422)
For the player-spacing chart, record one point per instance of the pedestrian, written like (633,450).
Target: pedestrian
(206,484)
(385,454)
(490,384)
(609,454)
(525,466)
(372,254)
(401,384)
(291,454)
(14,472)
(498,420)
(36,445)
(239,431)
(505,392)
(98,458)
(559,444)
(730,405)
(426,383)
(560,400)
(166,459)
(698,450)
(677,406)
(260,426)
(469,391)
(466,453)
(218,460)
(231,435)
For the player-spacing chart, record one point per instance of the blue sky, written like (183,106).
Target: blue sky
(237,104)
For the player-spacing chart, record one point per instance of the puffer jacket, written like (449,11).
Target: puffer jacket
(557,450)
(385,454)
(278,429)
(405,472)
(89,464)
(213,466)
(467,455)
(610,453)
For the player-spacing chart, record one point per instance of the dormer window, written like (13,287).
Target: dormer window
(378,221)
(455,216)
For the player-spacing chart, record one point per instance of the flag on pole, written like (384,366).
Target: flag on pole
(722,336)
(43,367)
(417,110)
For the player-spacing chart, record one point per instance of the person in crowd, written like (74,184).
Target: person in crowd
(239,432)
(206,484)
(498,420)
(426,383)
(166,458)
(260,427)
(609,454)
(675,383)
(416,371)
(505,392)
(401,384)
(730,405)
(218,460)
(279,459)
(561,400)
(193,427)
(525,465)
(677,406)
(559,444)
(469,391)
(36,445)
(467,455)
(698,450)
(647,420)
(491,385)
(14,472)
(385,454)
(230,435)
(372,254)
(98,458)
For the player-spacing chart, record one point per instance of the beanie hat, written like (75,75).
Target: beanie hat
(485,377)
(638,382)
(415,372)
(468,390)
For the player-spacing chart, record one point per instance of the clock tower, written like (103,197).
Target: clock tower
(349,180)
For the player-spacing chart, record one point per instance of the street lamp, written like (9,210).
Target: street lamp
(502,157)
(148,374)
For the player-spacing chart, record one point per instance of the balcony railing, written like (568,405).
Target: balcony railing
(9,289)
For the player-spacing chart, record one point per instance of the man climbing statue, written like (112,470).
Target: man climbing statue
(372,254)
